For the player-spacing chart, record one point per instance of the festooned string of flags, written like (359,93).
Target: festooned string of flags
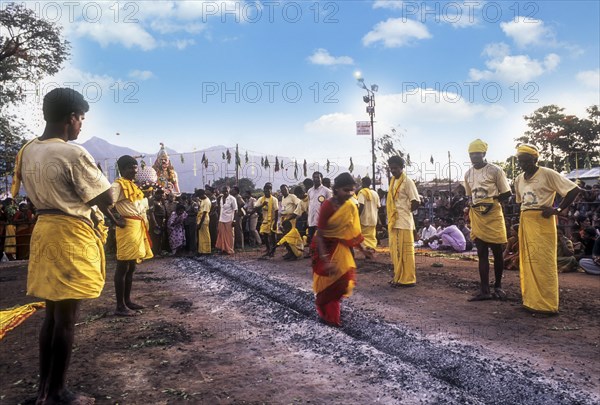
(279,163)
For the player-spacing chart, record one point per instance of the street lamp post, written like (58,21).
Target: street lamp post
(369,99)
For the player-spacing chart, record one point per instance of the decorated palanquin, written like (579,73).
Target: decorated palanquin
(166,176)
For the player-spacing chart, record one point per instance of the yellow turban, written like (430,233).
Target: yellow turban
(529,149)
(478,146)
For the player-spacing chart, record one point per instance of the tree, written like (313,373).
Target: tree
(564,141)
(510,166)
(12,138)
(386,146)
(245,184)
(545,125)
(31,49)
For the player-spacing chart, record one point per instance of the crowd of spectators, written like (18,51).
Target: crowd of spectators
(579,226)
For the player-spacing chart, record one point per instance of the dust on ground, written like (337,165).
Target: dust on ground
(238,330)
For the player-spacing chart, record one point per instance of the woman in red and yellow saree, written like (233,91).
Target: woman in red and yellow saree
(338,230)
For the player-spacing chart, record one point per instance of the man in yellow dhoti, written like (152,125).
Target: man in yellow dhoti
(291,238)
(402,199)
(66,261)
(203,221)
(487,186)
(270,210)
(535,189)
(368,206)
(133,239)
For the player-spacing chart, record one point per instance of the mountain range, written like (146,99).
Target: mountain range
(194,174)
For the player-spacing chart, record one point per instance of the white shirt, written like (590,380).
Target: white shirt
(428,232)
(316,196)
(228,208)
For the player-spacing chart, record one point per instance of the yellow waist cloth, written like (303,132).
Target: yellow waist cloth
(402,251)
(132,241)
(488,227)
(66,260)
(537,259)
(266,227)
(294,241)
(370,234)
(204,241)
(10,242)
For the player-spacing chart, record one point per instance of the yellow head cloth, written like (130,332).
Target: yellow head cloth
(529,149)
(478,146)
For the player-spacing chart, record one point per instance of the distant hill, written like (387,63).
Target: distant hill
(193,174)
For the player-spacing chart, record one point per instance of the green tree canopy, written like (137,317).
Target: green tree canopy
(30,49)
(245,184)
(564,141)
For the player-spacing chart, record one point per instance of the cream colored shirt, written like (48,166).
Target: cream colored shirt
(265,210)
(369,213)
(407,193)
(539,191)
(289,204)
(487,182)
(61,176)
(302,207)
(125,207)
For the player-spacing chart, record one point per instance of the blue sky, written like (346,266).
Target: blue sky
(278,77)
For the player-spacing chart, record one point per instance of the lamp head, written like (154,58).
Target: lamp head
(374,88)
(366,99)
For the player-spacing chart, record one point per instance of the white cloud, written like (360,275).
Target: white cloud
(336,123)
(433,106)
(528,31)
(169,27)
(503,66)
(389,4)
(496,50)
(396,32)
(127,35)
(322,57)
(141,74)
(181,44)
(589,78)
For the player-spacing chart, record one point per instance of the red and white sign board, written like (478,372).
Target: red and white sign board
(363,128)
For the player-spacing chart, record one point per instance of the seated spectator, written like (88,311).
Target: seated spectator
(24,221)
(425,233)
(462,226)
(565,253)
(511,252)
(458,202)
(450,236)
(588,238)
(592,265)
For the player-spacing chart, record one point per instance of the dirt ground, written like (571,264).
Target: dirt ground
(204,338)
